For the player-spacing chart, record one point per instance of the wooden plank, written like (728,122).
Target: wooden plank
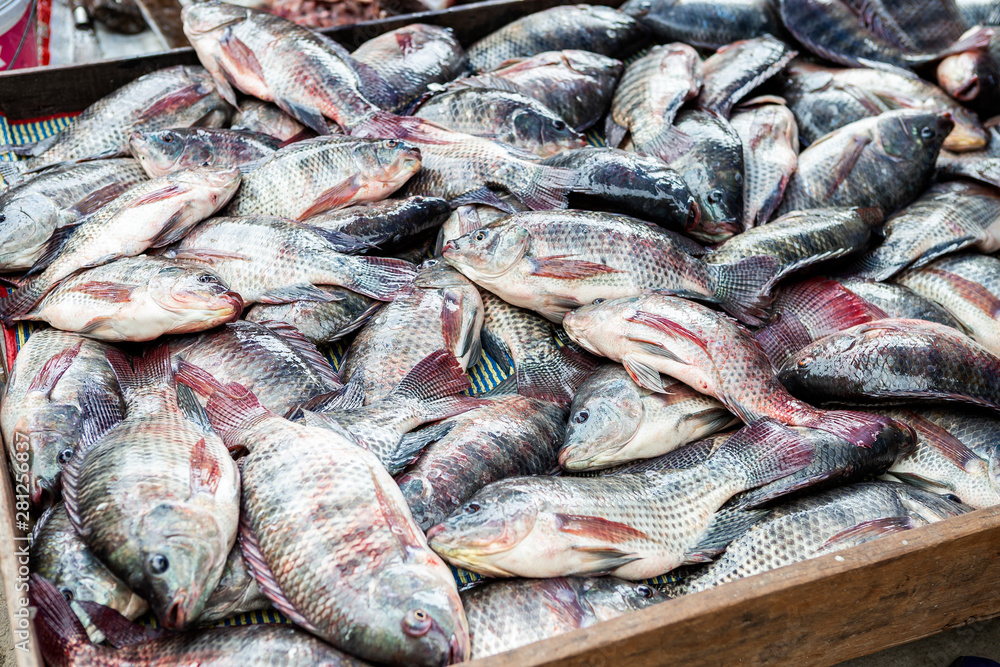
(819,612)
(164,18)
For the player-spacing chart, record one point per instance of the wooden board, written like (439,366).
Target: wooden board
(164,18)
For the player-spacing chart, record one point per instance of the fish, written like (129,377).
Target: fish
(412,58)
(897,301)
(542,367)
(887,361)
(271,359)
(313,494)
(947,218)
(982,165)
(169,537)
(770,139)
(41,415)
(632,526)
(165,151)
(979,12)
(615,421)
(967,286)
(508,435)
(150,214)
(972,76)
(139,299)
(256,116)
(553,262)
(651,92)
(465,219)
(921,25)
(594,28)
(976,428)
(441,310)
(885,161)
(685,456)
(706,24)
(509,614)
(236,593)
(736,69)
(279,260)
(617,181)
(321,322)
(390,224)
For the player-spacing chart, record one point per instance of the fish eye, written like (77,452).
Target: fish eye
(480,235)
(207,278)
(714,197)
(927,132)
(206,163)
(168,138)
(416,623)
(599,300)
(472,508)
(431,262)
(67,593)
(644,591)
(65,455)
(392,143)
(952,497)
(559,125)
(581,416)
(3,218)
(804,361)
(158,564)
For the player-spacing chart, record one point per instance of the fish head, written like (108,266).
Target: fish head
(49,435)
(548,132)
(436,274)
(393,162)
(604,418)
(609,597)
(910,134)
(214,185)
(164,151)
(589,325)
(959,75)
(927,505)
(488,252)
(419,494)
(197,297)
(823,368)
(207,18)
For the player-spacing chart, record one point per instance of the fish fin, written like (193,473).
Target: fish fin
(32,148)
(334,197)
(293,293)
(52,248)
(743,287)
(187,401)
(869,530)
(496,348)
(412,444)
(400,522)
(550,188)
(15,306)
(666,326)
(598,528)
(170,102)
(770,203)
(340,241)
(358,322)
(656,349)
(944,442)
(60,631)
(714,419)
(561,268)
(847,160)
(506,387)
(974,293)
(12,173)
(460,332)
(861,429)
(241,54)
(205,255)
(118,630)
(449,406)
(482,195)
(308,116)
(109,291)
(373,86)
(614,134)
(766,451)
(725,527)
(205,472)
(230,407)
(166,192)
(669,144)
(435,376)
(172,232)
(642,374)
(604,560)
(148,372)
(555,376)
(381,278)
(348,397)
(96,199)
(977,38)
(53,369)
(787,486)
(306,350)
(100,411)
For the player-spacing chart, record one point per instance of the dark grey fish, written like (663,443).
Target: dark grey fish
(389,224)
(770,155)
(706,23)
(898,301)
(255,116)
(321,322)
(738,68)
(163,151)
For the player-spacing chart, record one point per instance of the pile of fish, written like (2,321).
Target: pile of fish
(759,325)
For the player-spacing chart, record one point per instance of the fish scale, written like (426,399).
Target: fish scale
(163,151)
(770,154)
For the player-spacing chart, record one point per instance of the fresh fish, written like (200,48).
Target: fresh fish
(150,214)
(885,161)
(465,219)
(609,179)
(272,260)
(509,435)
(412,58)
(613,421)
(982,165)
(31,212)
(898,301)
(256,116)
(389,224)
(41,410)
(542,368)
(948,217)
(973,76)
(509,614)
(321,322)
(770,141)
(165,151)
(237,592)
(312,495)
(169,536)
(633,526)
(707,24)
(271,359)
(593,28)
(892,361)
(442,310)
(139,299)
(738,68)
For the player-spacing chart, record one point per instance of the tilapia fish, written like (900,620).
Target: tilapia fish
(139,299)
(256,116)
(898,301)
(542,368)
(271,359)
(634,526)
(31,212)
(442,310)
(150,214)
(389,224)
(508,614)
(737,68)
(770,141)
(706,24)
(41,410)
(614,421)
(888,361)
(311,495)
(465,219)
(946,218)
(885,161)
(164,151)
(168,537)
(321,322)
(590,27)
(273,260)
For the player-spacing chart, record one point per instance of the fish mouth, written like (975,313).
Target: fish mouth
(969,90)
(43,495)
(456,650)
(176,616)
(235,300)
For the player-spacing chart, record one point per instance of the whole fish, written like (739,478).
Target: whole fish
(770,139)
(553,262)
(321,322)
(309,493)
(613,421)
(31,212)
(169,537)
(633,526)
(609,179)
(590,27)
(887,360)
(255,116)
(508,436)
(898,301)
(542,368)
(271,359)
(706,24)
(946,218)
(442,310)
(968,287)
(165,151)
(139,299)
(648,97)
(150,214)
(412,58)
(236,593)
(273,260)
(736,69)
(41,410)
(389,224)
(508,614)
(885,161)
(502,115)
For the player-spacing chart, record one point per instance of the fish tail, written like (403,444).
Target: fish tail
(231,408)
(976,38)
(784,335)
(766,451)
(61,635)
(742,287)
(555,375)
(380,278)
(12,172)
(16,306)
(435,376)
(149,372)
(669,144)
(862,429)
(544,188)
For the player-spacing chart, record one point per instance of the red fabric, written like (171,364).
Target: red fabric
(44,33)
